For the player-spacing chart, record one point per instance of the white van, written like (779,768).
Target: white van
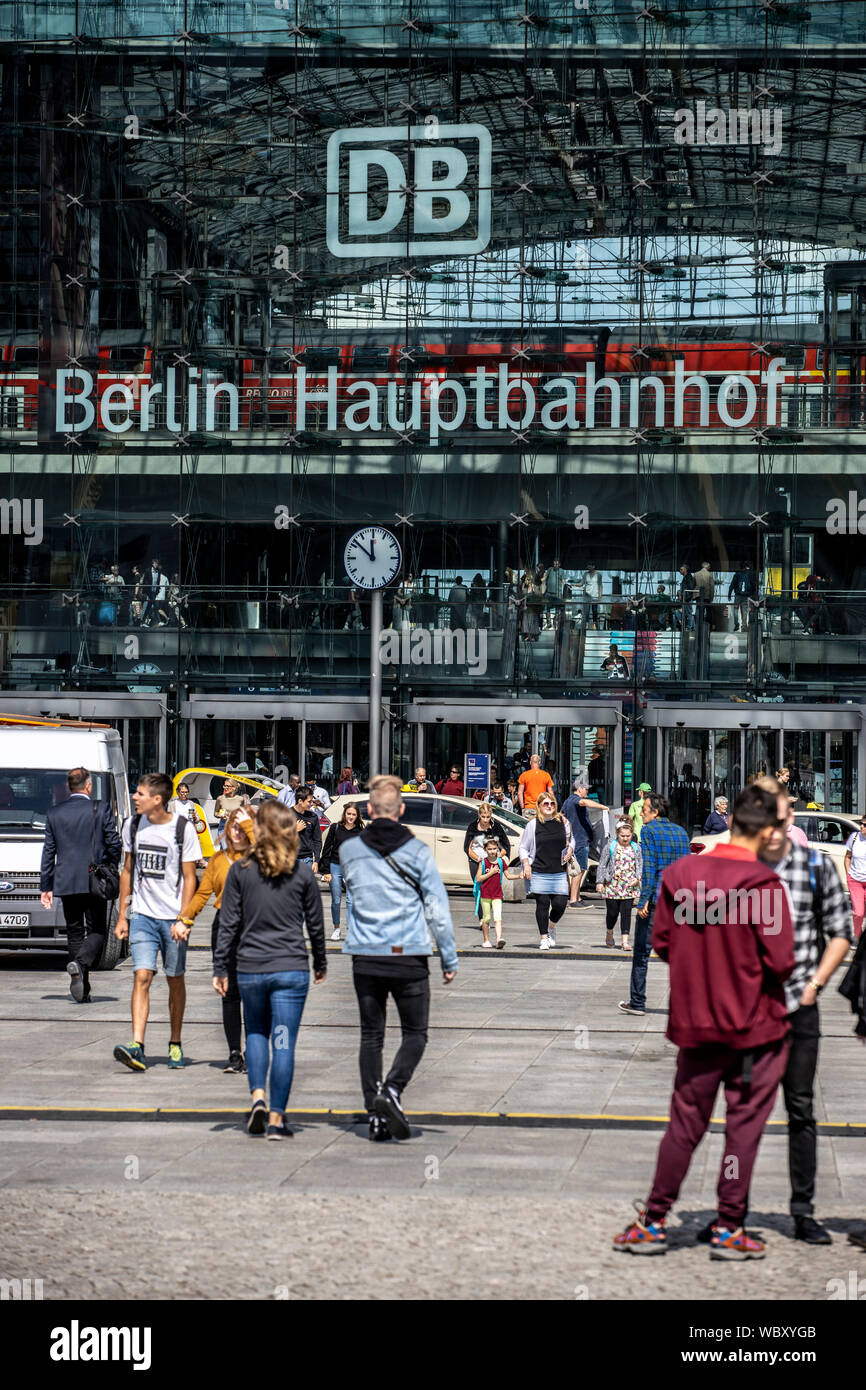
(35,756)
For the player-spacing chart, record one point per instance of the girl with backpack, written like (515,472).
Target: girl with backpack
(492,870)
(618,879)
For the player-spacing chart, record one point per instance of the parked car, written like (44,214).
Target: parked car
(441,822)
(35,756)
(827,831)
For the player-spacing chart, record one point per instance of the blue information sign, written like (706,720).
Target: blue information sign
(476,775)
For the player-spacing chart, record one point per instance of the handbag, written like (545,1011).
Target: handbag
(104,878)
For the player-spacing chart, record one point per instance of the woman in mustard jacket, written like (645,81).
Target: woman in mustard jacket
(237,836)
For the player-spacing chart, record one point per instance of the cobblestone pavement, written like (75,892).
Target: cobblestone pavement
(342,1245)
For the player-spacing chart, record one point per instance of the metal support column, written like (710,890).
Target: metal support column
(661,750)
(375,684)
(419,746)
(616,757)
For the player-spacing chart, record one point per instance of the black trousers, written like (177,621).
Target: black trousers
(549,907)
(232,1002)
(412,998)
(615,908)
(798,1086)
(86,919)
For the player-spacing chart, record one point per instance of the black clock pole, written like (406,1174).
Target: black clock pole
(376,683)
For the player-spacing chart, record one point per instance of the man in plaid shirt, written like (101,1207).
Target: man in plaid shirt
(822,936)
(661,843)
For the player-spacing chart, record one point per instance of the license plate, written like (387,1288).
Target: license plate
(14,919)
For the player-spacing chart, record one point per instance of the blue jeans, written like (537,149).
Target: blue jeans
(643,927)
(273,1005)
(337,897)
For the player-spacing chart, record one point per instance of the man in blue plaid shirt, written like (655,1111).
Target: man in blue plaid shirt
(661,843)
(822,936)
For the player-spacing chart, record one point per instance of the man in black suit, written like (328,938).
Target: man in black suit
(76,836)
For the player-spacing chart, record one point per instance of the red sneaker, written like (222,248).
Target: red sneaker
(726,1244)
(643,1237)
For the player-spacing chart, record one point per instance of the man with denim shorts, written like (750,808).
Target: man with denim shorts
(158,879)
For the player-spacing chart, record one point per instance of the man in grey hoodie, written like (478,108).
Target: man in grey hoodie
(398,899)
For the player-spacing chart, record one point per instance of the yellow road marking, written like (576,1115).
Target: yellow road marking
(432,1114)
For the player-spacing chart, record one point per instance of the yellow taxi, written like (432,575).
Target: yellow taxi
(205,787)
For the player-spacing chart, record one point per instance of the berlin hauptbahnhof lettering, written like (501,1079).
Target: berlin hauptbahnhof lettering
(485,399)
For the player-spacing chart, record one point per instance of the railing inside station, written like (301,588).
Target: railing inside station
(328,23)
(323,633)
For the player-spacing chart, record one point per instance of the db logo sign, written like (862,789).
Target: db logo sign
(421,190)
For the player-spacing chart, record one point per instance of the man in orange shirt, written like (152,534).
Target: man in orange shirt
(531,784)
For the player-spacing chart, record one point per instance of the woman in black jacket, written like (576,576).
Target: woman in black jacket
(480,829)
(267,898)
(349,824)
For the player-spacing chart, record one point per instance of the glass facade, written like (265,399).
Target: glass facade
(564,301)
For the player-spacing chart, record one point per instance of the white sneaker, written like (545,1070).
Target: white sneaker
(551,936)
(544,944)
(335,934)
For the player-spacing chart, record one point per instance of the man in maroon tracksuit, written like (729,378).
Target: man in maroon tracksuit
(723,924)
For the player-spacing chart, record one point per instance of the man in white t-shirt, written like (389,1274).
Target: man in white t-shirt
(855,872)
(287,795)
(157,885)
(321,799)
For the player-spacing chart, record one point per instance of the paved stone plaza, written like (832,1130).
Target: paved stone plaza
(539,1110)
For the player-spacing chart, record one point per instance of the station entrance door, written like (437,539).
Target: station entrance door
(705,751)
(578,738)
(276,735)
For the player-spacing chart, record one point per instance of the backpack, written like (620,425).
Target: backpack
(476,886)
(179,834)
(816,883)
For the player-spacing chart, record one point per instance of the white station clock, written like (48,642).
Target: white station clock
(372,557)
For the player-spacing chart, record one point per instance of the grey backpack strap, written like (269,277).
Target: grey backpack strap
(179,837)
(133,831)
